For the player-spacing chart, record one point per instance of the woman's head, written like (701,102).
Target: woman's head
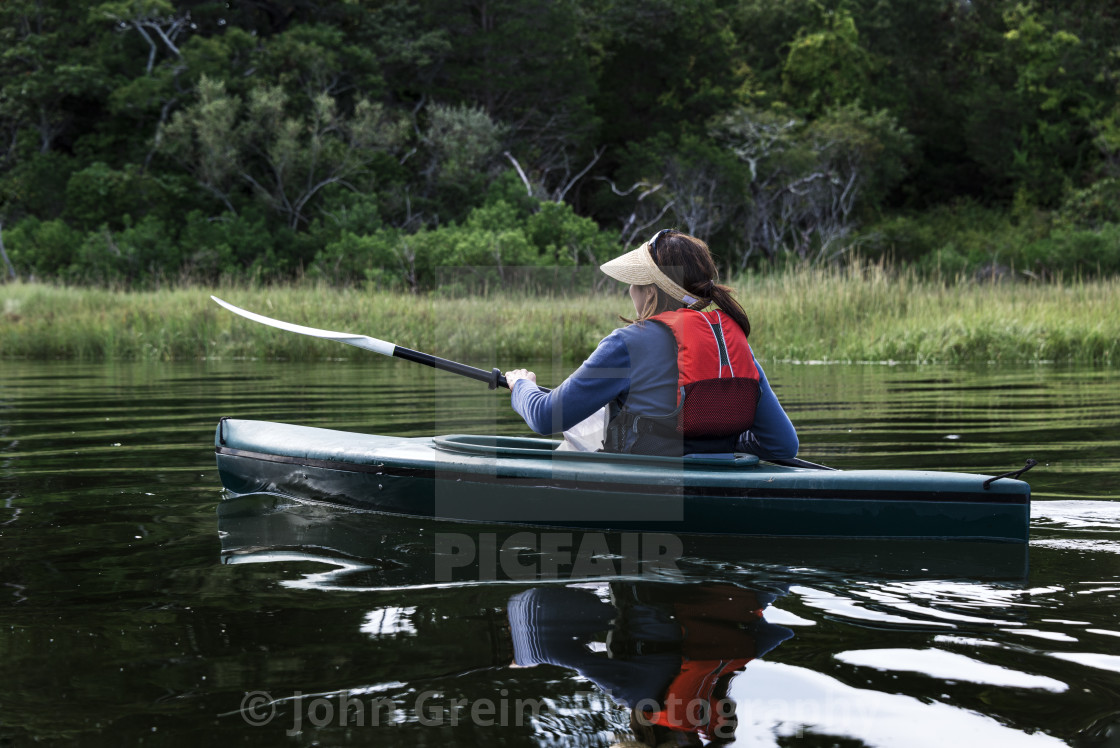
(673,271)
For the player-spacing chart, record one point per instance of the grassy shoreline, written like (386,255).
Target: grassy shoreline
(860,315)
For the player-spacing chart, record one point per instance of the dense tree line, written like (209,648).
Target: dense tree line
(146,141)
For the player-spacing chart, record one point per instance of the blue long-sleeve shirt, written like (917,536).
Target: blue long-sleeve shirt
(639,364)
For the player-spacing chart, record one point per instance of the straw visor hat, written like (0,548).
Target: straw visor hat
(638,268)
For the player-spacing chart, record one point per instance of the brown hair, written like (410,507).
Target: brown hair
(688,262)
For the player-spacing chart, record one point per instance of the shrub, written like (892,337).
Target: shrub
(137,255)
(354,257)
(564,238)
(948,263)
(41,248)
(227,245)
(1075,252)
(1093,206)
(101,196)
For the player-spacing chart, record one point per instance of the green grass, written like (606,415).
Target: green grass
(869,314)
(865,314)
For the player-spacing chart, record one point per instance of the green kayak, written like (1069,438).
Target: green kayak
(521,481)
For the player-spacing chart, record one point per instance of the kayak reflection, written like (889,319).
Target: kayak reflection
(625,634)
(666,652)
(369,551)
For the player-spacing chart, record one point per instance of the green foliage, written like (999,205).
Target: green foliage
(99,195)
(460,145)
(143,141)
(703,186)
(1093,206)
(41,249)
(50,70)
(973,241)
(664,67)
(1055,100)
(462,140)
(312,59)
(873,142)
(228,246)
(354,257)
(200,138)
(1106,126)
(519,60)
(563,238)
(344,210)
(475,248)
(138,252)
(283,154)
(496,215)
(507,187)
(949,239)
(1072,252)
(827,66)
(36,184)
(496,240)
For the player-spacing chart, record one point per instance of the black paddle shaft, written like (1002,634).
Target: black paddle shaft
(493,378)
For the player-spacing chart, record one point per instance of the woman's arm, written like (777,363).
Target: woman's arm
(604,376)
(772,435)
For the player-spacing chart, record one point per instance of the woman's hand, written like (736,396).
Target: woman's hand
(513,376)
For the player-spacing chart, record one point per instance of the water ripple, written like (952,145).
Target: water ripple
(948,666)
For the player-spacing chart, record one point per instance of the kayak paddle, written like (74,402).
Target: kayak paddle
(494,377)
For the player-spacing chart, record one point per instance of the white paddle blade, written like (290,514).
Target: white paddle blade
(359,341)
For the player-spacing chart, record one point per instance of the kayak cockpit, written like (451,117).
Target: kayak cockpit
(532,448)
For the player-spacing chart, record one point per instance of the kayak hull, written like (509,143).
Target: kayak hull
(510,480)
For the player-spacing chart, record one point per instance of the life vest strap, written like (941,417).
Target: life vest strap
(724,356)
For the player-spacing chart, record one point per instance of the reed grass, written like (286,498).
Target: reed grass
(870,314)
(856,315)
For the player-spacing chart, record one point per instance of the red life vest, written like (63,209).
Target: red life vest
(717,645)
(696,700)
(718,382)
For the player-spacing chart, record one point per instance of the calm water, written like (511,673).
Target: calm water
(137,606)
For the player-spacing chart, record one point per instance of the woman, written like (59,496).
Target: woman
(678,380)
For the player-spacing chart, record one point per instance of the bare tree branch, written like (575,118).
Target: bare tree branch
(630,190)
(174,25)
(632,228)
(571,183)
(152,48)
(520,172)
(167,28)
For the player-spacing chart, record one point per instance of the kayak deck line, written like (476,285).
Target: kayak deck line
(448,473)
(528,481)
(517,446)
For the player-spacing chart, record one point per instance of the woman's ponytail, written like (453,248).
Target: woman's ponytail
(721,296)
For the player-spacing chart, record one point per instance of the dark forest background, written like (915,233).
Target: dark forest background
(145,142)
